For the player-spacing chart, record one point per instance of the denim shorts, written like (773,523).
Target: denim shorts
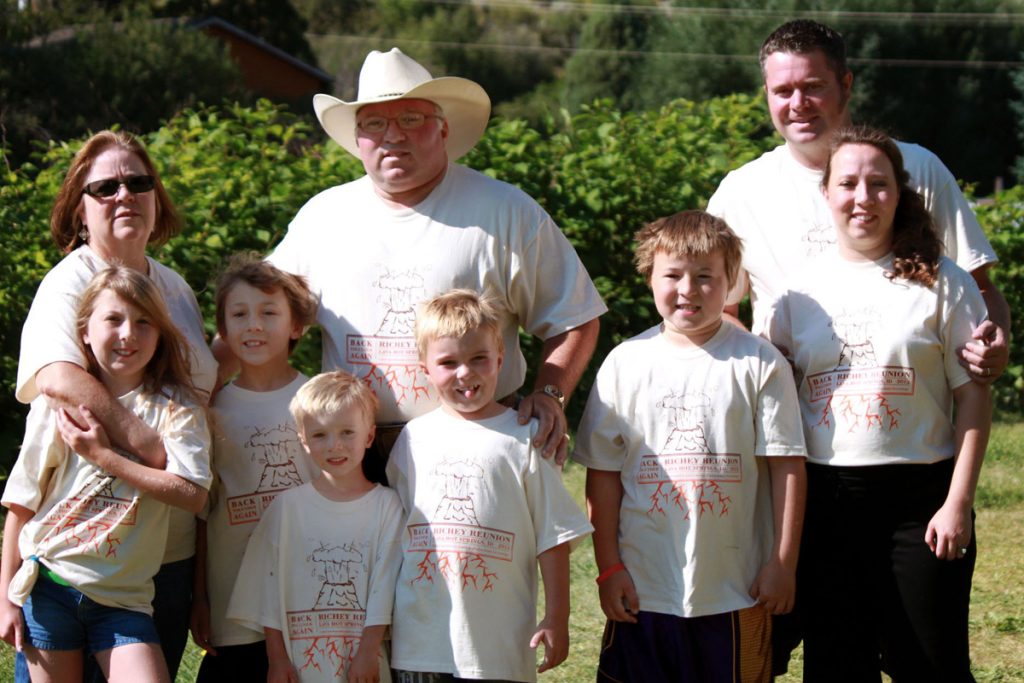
(62,618)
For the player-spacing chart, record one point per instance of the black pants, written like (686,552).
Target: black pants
(872,595)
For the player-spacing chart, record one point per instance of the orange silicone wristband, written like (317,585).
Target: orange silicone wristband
(607,573)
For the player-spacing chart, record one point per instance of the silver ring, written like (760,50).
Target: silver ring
(988,372)
(962,551)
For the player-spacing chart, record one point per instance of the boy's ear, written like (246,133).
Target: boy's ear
(423,369)
(302,438)
(297,330)
(373,433)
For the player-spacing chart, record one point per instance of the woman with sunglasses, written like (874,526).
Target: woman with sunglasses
(109,208)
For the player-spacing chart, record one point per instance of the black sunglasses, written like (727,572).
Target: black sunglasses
(108,187)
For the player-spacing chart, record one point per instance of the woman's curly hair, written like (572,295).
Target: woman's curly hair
(916,246)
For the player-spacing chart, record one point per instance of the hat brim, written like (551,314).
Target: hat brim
(466,107)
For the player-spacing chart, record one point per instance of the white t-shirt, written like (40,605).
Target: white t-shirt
(371,265)
(320,571)
(93,530)
(875,359)
(256,456)
(49,337)
(482,504)
(776,206)
(684,427)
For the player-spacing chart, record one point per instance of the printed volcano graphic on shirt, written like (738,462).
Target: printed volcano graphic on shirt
(277,449)
(389,355)
(329,632)
(454,545)
(685,476)
(859,395)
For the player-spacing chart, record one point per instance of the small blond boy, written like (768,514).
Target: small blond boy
(318,575)
(261,313)
(483,510)
(695,478)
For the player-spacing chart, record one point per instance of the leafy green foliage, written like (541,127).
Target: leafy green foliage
(1003,220)
(239,174)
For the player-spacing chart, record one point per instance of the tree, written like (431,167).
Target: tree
(134,73)
(611,56)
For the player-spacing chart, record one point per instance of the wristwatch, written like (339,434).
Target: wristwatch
(555,393)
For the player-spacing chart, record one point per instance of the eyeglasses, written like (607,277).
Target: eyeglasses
(108,187)
(409,120)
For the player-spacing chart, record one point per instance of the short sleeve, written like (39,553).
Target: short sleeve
(601,437)
(42,451)
(718,206)
(963,309)
(187,442)
(49,335)
(557,519)
(777,413)
(256,599)
(388,560)
(550,289)
(961,234)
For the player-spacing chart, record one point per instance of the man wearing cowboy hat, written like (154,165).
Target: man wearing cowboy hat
(417,225)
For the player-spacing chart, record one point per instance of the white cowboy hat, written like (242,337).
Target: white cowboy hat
(392,75)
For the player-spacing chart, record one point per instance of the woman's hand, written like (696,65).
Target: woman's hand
(949,531)
(775,587)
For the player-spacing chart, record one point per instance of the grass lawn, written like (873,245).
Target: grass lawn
(997,602)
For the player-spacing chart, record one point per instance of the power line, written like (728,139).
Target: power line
(691,56)
(664,9)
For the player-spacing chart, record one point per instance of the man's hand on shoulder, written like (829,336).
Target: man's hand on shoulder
(551,435)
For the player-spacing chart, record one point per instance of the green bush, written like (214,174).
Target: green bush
(1003,220)
(238,174)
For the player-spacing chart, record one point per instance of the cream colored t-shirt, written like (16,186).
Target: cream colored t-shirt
(256,456)
(372,265)
(482,504)
(875,358)
(93,530)
(686,428)
(320,571)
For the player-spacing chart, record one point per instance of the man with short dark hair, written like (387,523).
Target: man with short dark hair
(775,203)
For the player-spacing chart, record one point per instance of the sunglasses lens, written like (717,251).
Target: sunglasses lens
(109,186)
(139,183)
(103,188)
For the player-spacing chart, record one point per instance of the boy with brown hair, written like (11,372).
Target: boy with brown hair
(695,481)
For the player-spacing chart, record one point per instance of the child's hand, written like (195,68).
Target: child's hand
(88,440)
(554,633)
(199,624)
(775,587)
(365,667)
(281,671)
(949,531)
(619,600)
(12,627)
